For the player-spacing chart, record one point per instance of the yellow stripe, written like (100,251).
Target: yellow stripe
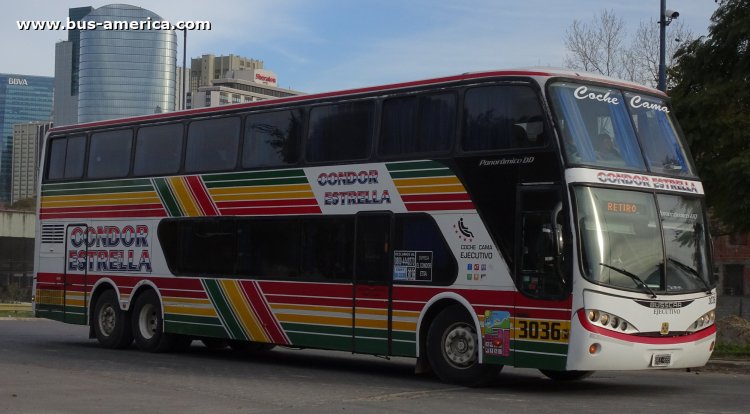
(413,182)
(185,310)
(243,311)
(318,320)
(396,313)
(183,196)
(173,299)
(49,297)
(114,196)
(100,202)
(265,196)
(432,190)
(283,188)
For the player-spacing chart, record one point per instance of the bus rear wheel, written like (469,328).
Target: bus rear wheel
(453,349)
(111,325)
(565,375)
(148,324)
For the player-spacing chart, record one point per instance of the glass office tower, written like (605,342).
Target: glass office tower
(22,99)
(125,72)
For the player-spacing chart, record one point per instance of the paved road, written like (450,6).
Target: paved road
(50,367)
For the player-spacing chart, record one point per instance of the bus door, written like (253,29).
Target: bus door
(372,313)
(75,275)
(540,273)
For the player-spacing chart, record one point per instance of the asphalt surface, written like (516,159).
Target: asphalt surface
(50,367)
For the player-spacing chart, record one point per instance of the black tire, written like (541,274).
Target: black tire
(148,324)
(453,349)
(565,375)
(110,323)
(250,347)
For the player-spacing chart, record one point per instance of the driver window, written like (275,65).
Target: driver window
(541,267)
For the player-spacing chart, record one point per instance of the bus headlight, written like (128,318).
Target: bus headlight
(610,321)
(704,321)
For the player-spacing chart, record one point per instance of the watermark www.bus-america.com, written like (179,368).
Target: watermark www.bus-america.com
(147,24)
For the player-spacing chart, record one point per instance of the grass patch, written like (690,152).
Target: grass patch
(16,314)
(732,351)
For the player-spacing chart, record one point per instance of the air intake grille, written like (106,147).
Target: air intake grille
(53,233)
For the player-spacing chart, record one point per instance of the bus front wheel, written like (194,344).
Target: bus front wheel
(111,326)
(453,349)
(148,324)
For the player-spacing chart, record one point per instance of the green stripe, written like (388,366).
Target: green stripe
(320,341)
(318,329)
(253,183)
(254,175)
(202,320)
(539,361)
(85,191)
(413,165)
(224,309)
(547,347)
(444,172)
(195,330)
(96,184)
(167,198)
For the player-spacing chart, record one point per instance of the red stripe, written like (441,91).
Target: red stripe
(299,300)
(267,203)
(668,340)
(440,206)
(327,290)
(201,195)
(55,210)
(435,197)
(270,211)
(112,214)
(267,318)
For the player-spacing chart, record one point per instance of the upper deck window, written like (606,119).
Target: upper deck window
(502,117)
(66,157)
(421,124)
(109,155)
(158,150)
(605,127)
(212,145)
(341,131)
(272,138)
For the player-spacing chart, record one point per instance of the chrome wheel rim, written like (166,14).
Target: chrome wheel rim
(107,320)
(148,321)
(460,345)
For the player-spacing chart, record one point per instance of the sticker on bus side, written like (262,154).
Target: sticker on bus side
(412,266)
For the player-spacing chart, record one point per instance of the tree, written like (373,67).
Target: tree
(711,95)
(603,46)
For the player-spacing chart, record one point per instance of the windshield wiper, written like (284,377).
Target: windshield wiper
(691,272)
(635,278)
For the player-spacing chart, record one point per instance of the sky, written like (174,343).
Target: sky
(323,45)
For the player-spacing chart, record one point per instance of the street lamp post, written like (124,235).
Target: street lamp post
(184,69)
(665,18)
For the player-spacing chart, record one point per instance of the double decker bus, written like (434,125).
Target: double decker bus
(531,218)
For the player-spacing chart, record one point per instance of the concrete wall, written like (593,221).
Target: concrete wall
(17,224)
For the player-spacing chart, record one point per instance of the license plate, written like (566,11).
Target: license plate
(661,360)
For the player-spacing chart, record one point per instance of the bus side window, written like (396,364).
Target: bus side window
(414,125)
(340,131)
(66,157)
(272,138)
(502,117)
(109,154)
(212,145)
(158,150)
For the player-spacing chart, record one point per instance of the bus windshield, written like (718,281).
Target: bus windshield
(607,127)
(641,241)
